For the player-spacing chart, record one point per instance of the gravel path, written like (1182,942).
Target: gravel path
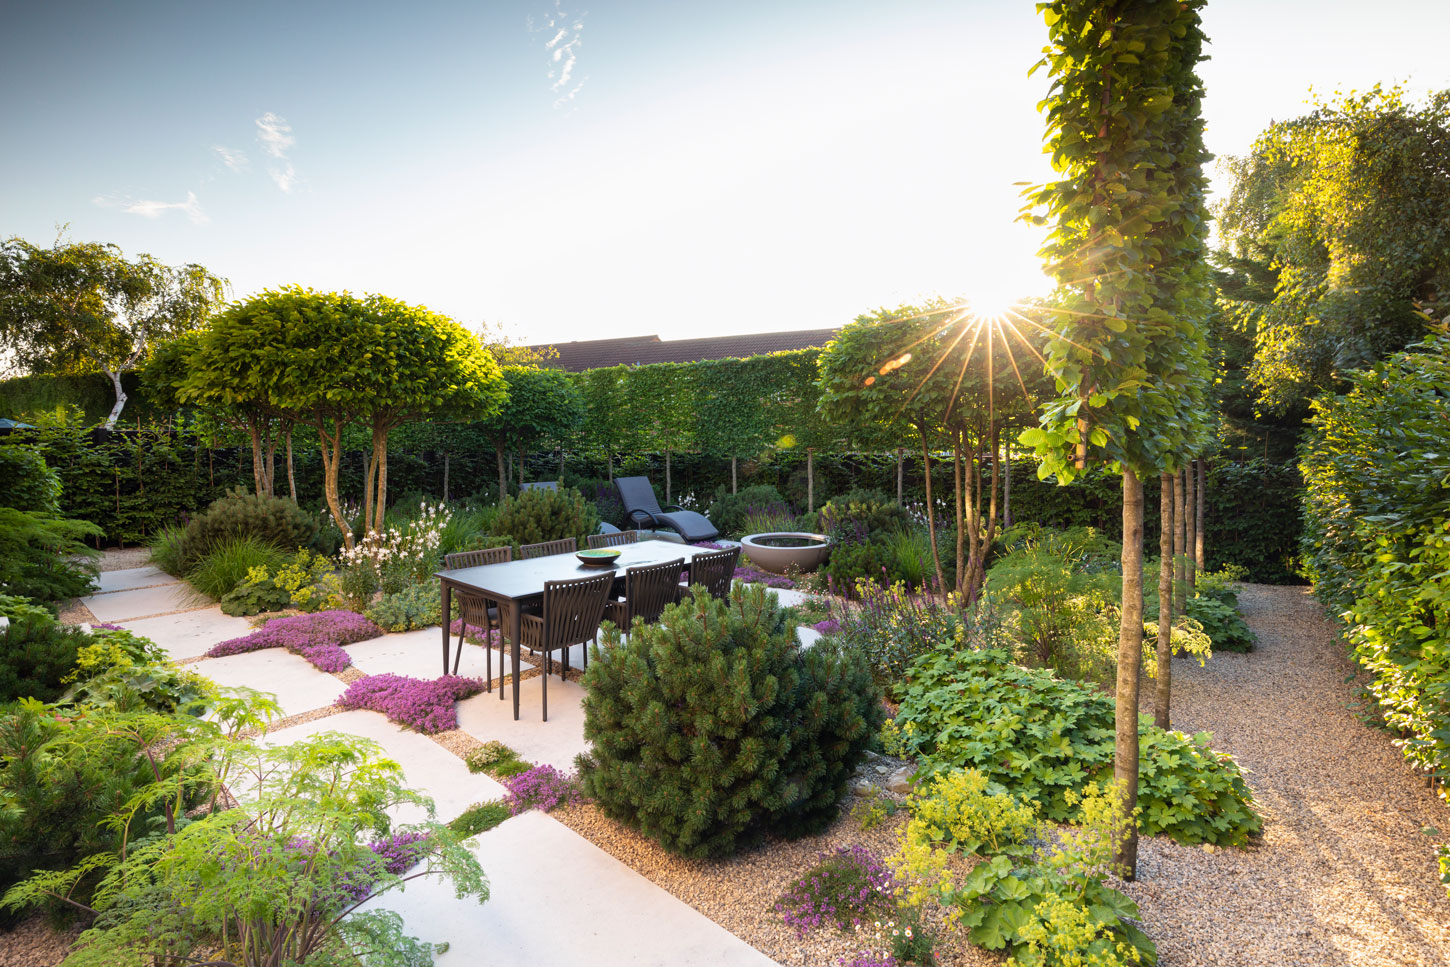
(1343,874)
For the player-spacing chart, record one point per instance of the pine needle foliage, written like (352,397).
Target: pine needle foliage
(713,727)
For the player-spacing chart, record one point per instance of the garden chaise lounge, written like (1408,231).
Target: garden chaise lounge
(643,509)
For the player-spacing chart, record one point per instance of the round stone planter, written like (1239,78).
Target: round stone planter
(779,550)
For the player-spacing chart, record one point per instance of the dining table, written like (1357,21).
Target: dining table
(520,584)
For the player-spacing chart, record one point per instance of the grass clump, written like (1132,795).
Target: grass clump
(480,817)
(225,566)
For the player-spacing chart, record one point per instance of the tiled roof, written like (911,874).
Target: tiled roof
(639,350)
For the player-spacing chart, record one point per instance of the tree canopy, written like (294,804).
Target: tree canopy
(84,306)
(1337,240)
(541,405)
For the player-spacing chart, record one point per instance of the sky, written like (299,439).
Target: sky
(578,170)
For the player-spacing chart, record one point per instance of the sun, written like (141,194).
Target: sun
(988,301)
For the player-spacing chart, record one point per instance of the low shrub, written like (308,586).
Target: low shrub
(315,637)
(873,538)
(36,655)
(423,705)
(168,548)
(727,511)
(1043,739)
(848,887)
(296,584)
(226,564)
(547,515)
(275,521)
(42,557)
(26,483)
(480,818)
(713,727)
(492,753)
(416,606)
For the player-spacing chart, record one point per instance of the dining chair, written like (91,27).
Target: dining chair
(647,589)
(567,545)
(478,610)
(612,540)
(572,612)
(714,570)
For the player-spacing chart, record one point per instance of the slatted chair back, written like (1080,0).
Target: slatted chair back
(567,545)
(489,555)
(647,589)
(573,610)
(715,570)
(612,540)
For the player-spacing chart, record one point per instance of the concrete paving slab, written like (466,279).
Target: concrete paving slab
(557,900)
(419,654)
(429,767)
(807,636)
(555,742)
(192,634)
(141,602)
(133,577)
(298,686)
(790,596)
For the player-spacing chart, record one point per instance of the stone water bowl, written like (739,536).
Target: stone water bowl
(778,550)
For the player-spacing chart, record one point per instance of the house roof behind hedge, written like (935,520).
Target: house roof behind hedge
(640,350)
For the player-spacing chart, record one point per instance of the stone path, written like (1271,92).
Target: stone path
(1343,875)
(556,898)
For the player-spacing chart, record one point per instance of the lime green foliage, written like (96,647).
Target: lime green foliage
(874,811)
(1042,898)
(122,671)
(1377,519)
(508,767)
(537,515)
(26,483)
(226,564)
(1186,637)
(17,608)
(297,584)
(1345,214)
(42,557)
(480,818)
(1212,610)
(277,878)
(1044,739)
(416,606)
(863,526)
(492,753)
(713,727)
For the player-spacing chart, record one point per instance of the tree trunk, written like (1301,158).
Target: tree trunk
(1007,489)
(959,500)
(330,447)
(254,432)
(900,476)
(269,458)
(734,482)
(1180,573)
(445,476)
(609,463)
(1164,690)
(1202,469)
(941,586)
(810,480)
(380,459)
(110,423)
(503,480)
(1130,659)
(367,507)
(521,468)
(291,472)
(561,465)
(1190,528)
(668,498)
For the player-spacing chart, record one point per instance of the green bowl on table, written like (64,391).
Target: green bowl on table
(598,556)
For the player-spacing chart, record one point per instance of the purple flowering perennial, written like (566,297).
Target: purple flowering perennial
(846,888)
(542,788)
(827,627)
(315,637)
(753,575)
(425,705)
(868,959)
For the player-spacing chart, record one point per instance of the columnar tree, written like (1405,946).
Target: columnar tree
(339,360)
(1125,136)
(733,412)
(542,404)
(84,306)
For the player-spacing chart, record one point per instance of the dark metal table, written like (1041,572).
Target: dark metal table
(522,582)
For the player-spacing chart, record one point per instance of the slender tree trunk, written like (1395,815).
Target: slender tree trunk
(1130,659)
(259,482)
(734,482)
(380,459)
(1202,471)
(1190,528)
(121,397)
(503,480)
(445,476)
(561,465)
(959,501)
(810,479)
(1180,572)
(291,472)
(1164,690)
(330,447)
(522,468)
(900,476)
(269,461)
(668,498)
(980,576)
(941,586)
(1007,489)
(369,472)
(609,464)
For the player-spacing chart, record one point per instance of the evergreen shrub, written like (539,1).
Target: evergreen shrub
(713,727)
(277,521)
(42,557)
(728,511)
(540,515)
(26,483)
(416,606)
(36,655)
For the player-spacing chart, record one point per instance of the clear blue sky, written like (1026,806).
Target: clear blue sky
(579,170)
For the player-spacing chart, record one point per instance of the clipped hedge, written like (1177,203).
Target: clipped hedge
(1377,537)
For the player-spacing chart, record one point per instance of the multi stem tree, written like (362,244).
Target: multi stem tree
(340,361)
(542,405)
(1127,210)
(85,307)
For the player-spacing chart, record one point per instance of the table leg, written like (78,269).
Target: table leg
(447,610)
(515,625)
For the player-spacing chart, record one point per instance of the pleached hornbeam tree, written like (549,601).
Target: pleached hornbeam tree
(1126,248)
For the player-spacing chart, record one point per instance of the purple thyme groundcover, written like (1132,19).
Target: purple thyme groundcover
(316,637)
(426,705)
